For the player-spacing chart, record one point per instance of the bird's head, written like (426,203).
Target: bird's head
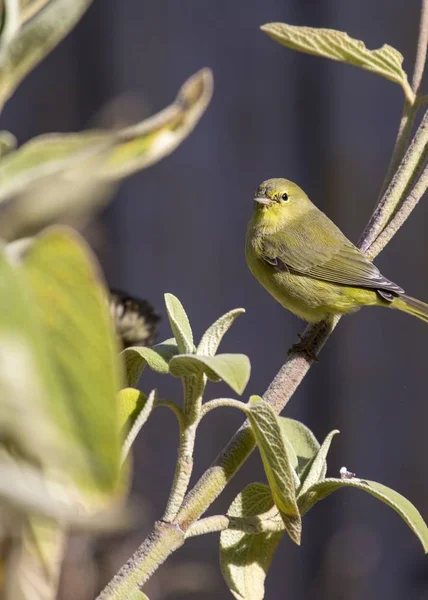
(280,199)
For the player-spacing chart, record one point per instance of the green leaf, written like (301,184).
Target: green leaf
(245,558)
(212,337)
(233,369)
(276,462)
(318,467)
(179,324)
(64,175)
(157,358)
(339,46)
(72,304)
(303,441)
(143,406)
(32,42)
(396,501)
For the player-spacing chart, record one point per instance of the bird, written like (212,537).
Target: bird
(135,320)
(308,265)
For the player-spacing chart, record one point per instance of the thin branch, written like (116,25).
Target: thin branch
(397,188)
(252,525)
(408,205)
(421,51)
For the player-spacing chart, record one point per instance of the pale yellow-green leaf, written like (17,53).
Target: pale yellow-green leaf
(35,39)
(180,325)
(138,595)
(407,511)
(60,176)
(136,419)
(34,563)
(233,369)
(214,334)
(245,558)
(157,358)
(318,467)
(72,304)
(303,441)
(276,462)
(339,46)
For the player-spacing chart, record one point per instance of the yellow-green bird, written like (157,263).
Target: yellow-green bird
(307,263)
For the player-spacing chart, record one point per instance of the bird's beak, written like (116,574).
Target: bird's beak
(262,200)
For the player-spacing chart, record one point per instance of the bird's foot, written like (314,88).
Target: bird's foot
(305,347)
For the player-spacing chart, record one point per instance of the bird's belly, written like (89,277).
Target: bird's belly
(308,298)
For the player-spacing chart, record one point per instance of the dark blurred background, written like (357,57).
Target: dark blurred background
(179,227)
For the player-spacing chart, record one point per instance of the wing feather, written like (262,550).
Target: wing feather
(315,247)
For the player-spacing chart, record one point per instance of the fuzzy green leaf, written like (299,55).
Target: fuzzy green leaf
(303,441)
(143,406)
(318,467)
(180,325)
(339,46)
(245,558)
(64,175)
(276,462)
(396,501)
(214,334)
(157,358)
(72,304)
(137,595)
(32,42)
(233,369)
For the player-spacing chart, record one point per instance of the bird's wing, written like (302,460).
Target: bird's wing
(320,250)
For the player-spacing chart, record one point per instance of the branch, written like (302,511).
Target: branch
(421,50)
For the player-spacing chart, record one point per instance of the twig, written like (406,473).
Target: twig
(421,50)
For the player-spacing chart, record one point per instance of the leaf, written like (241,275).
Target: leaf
(212,337)
(157,357)
(318,467)
(276,462)
(339,46)
(72,303)
(396,501)
(34,563)
(245,558)
(179,324)
(32,42)
(302,440)
(60,175)
(138,595)
(233,369)
(143,406)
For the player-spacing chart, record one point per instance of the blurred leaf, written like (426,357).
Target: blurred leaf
(137,595)
(339,46)
(212,337)
(233,369)
(245,558)
(318,467)
(143,406)
(276,462)
(34,565)
(396,501)
(157,357)
(72,304)
(58,175)
(10,22)
(34,40)
(302,440)
(179,324)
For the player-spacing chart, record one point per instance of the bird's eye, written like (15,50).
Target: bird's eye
(284,197)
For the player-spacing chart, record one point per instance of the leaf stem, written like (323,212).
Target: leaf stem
(220,403)
(421,50)
(252,525)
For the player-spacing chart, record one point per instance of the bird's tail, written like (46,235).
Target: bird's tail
(411,306)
